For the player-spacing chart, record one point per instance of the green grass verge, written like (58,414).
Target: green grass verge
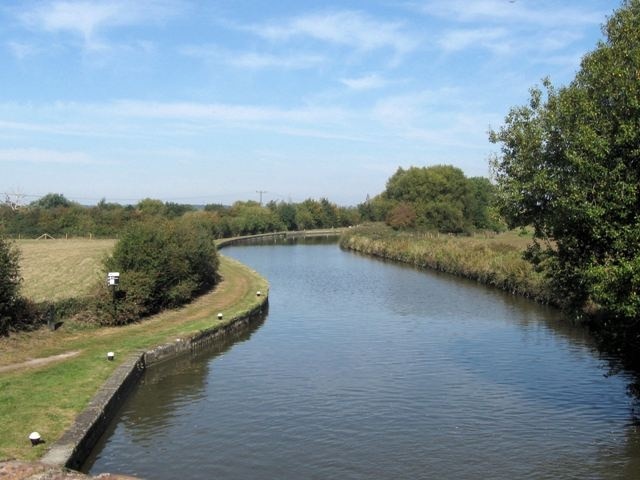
(48,398)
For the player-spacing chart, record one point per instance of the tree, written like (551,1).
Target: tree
(569,166)
(403,215)
(481,211)
(9,284)
(151,207)
(440,196)
(51,200)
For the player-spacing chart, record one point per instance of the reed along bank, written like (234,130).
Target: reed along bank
(494,259)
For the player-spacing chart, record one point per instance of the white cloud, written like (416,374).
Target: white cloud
(22,50)
(366,82)
(87,19)
(409,108)
(342,28)
(496,40)
(37,155)
(221,112)
(515,12)
(257,61)
(254,60)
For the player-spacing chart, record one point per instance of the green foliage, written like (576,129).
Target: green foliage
(151,207)
(403,215)
(438,198)
(64,218)
(16,312)
(247,218)
(51,200)
(162,264)
(570,167)
(9,284)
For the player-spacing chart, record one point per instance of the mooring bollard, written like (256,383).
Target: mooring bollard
(35,438)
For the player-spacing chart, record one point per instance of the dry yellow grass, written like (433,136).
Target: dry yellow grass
(57,269)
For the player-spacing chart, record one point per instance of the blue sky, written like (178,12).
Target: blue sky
(208,102)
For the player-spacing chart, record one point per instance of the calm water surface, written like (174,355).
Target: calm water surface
(371,370)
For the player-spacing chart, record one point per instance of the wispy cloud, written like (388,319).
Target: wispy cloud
(90,19)
(506,27)
(253,60)
(22,50)
(543,13)
(366,82)
(494,39)
(349,28)
(402,110)
(37,155)
(220,112)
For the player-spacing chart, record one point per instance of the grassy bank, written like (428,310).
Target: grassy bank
(47,397)
(494,260)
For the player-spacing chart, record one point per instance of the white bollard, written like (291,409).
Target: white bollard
(35,438)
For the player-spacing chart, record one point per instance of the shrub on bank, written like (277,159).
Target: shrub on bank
(162,264)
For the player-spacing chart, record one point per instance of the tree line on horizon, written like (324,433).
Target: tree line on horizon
(436,198)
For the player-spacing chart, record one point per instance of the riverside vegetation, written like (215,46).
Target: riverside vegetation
(492,259)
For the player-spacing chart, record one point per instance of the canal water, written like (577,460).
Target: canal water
(372,370)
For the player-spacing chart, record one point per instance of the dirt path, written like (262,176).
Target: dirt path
(36,362)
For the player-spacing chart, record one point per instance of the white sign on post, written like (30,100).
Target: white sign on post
(113,278)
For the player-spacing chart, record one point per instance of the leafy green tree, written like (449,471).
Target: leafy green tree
(248,218)
(287,214)
(348,216)
(151,207)
(570,166)
(481,210)
(51,200)
(440,196)
(9,284)
(175,210)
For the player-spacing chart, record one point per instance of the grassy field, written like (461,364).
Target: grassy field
(47,397)
(57,269)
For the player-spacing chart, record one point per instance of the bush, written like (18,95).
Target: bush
(9,285)
(162,264)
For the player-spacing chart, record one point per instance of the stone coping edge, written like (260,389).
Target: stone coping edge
(74,447)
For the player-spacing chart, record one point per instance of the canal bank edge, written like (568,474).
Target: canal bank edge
(72,449)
